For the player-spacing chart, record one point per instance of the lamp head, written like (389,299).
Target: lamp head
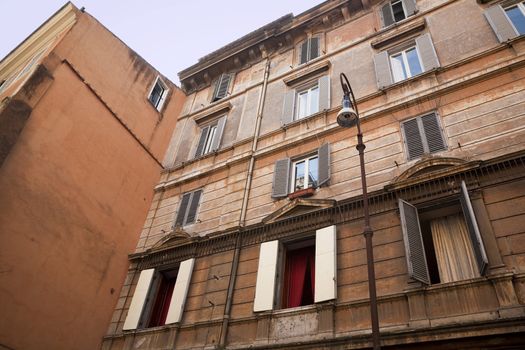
(347,116)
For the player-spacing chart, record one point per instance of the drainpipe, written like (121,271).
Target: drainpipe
(238,241)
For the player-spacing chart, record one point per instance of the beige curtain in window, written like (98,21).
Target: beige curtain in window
(454,254)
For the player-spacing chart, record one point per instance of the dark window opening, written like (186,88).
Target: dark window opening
(299,277)
(163,298)
(397,9)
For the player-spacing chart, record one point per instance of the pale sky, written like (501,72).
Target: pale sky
(170,35)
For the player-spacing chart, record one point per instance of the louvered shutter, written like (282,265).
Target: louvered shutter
(410,7)
(500,23)
(427,53)
(432,133)
(387,15)
(180,291)
(382,68)
(266,271)
(194,205)
(281,178)
(413,139)
(473,229)
(303,52)
(325,264)
(218,134)
(324,93)
(202,141)
(139,299)
(414,249)
(323,154)
(314,48)
(288,107)
(179,221)
(221,88)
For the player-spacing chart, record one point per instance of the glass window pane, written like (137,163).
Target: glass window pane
(397,9)
(398,68)
(313,175)
(413,62)
(314,100)
(517,18)
(299,176)
(156,94)
(302,106)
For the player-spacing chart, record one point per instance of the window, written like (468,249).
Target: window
(307,102)
(407,60)
(423,135)
(516,14)
(210,138)
(405,64)
(188,208)
(159,297)
(396,11)
(308,268)
(309,50)
(443,244)
(291,175)
(507,22)
(221,87)
(158,94)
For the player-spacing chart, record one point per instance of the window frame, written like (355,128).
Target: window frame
(307,89)
(423,135)
(214,130)
(306,160)
(406,66)
(162,97)
(521,7)
(402,6)
(188,207)
(217,87)
(308,42)
(153,297)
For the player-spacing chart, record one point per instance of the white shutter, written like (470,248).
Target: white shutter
(325,264)
(180,291)
(265,287)
(139,299)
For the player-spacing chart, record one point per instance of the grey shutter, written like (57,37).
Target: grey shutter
(281,176)
(387,15)
(473,229)
(410,7)
(500,23)
(194,205)
(324,93)
(179,221)
(202,141)
(413,140)
(324,164)
(303,52)
(427,53)
(218,134)
(314,48)
(288,107)
(382,67)
(221,89)
(433,135)
(415,251)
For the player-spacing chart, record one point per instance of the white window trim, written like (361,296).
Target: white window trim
(162,99)
(392,9)
(210,138)
(308,90)
(521,6)
(306,171)
(403,54)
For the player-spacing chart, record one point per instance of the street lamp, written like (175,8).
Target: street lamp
(347,118)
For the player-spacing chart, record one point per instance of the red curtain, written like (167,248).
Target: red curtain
(162,302)
(299,262)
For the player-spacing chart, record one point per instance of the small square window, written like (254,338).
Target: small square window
(305,173)
(307,102)
(158,94)
(423,135)
(210,137)
(309,49)
(516,14)
(405,64)
(397,10)
(188,208)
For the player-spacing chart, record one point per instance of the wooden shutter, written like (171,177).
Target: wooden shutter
(413,139)
(265,285)
(473,229)
(218,134)
(500,23)
(386,15)
(288,107)
(414,249)
(303,52)
(410,7)
(139,299)
(281,177)
(427,53)
(179,221)
(180,291)
(221,87)
(202,141)
(194,205)
(325,264)
(324,93)
(432,131)
(314,48)
(382,67)
(323,162)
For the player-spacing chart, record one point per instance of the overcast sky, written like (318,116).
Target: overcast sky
(171,35)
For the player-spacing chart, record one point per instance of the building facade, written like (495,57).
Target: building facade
(254,236)
(84,123)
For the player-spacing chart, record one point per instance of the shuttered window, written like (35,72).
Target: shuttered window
(210,137)
(309,50)
(158,94)
(221,87)
(293,175)
(189,205)
(516,14)
(397,10)
(423,135)
(306,100)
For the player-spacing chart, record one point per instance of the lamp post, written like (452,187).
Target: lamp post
(347,118)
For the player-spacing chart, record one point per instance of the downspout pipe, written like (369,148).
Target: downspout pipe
(238,241)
